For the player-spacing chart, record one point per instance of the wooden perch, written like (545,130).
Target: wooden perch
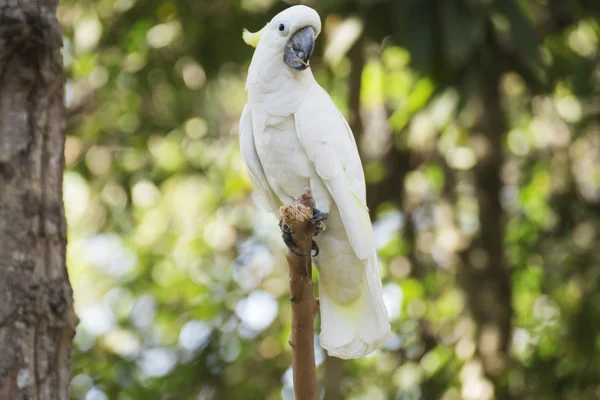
(298,217)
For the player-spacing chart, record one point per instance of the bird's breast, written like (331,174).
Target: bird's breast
(284,161)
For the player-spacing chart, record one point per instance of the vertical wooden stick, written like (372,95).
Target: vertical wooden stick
(297,216)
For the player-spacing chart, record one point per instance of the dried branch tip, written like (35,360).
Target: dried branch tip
(302,211)
(292,214)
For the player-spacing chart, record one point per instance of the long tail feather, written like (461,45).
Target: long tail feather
(356,329)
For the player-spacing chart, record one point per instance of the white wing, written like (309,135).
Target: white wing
(330,146)
(264,194)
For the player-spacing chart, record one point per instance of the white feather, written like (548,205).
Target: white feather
(265,199)
(330,146)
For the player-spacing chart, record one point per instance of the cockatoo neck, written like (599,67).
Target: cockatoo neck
(272,85)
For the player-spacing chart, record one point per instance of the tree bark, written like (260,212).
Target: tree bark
(37,321)
(332,381)
(297,217)
(485,275)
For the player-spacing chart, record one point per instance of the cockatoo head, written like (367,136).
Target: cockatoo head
(291,32)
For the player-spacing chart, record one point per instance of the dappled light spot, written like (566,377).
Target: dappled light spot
(480,145)
(107,252)
(143,311)
(474,385)
(193,75)
(256,6)
(257,311)
(546,309)
(395,342)
(145,194)
(230,348)
(408,376)
(96,394)
(80,385)
(162,35)
(392,297)
(422,131)
(166,152)
(465,348)
(416,308)
(386,361)
(87,33)
(196,128)
(584,235)
(517,142)
(98,159)
(583,39)
(120,301)
(443,107)
(114,196)
(386,227)
(157,362)
(194,335)
(462,158)
(489,340)
(76,195)
(435,359)
(269,348)
(372,393)
(150,228)
(319,352)
(134,62)
(128,123)
(219,234)
(255,262)
(288,383)
(513,84)
(123,342)
(97,319)
(73,149)
(400,267)
(124,5)
(522,342)
(98,77)
(569,108)
(341,35)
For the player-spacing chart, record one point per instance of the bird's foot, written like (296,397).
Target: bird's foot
(315,248)
(318,216)
(286,234)
(317,221)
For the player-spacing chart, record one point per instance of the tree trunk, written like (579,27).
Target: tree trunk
(37,321)
(485,276)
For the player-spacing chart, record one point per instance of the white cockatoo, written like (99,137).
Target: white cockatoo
(292,136)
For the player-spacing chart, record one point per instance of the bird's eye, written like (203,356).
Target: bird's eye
(283,29)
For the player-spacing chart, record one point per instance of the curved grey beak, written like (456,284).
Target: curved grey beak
(299,48)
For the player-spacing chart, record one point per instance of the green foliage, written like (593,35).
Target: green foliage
(180,281)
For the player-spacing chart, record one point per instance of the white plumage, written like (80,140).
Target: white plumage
(292,136)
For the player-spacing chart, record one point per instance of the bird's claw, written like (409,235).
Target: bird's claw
(286,234)
(318,216)
(315,248)
(317,221)
(284,228)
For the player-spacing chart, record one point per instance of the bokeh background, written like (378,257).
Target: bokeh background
(478,125)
